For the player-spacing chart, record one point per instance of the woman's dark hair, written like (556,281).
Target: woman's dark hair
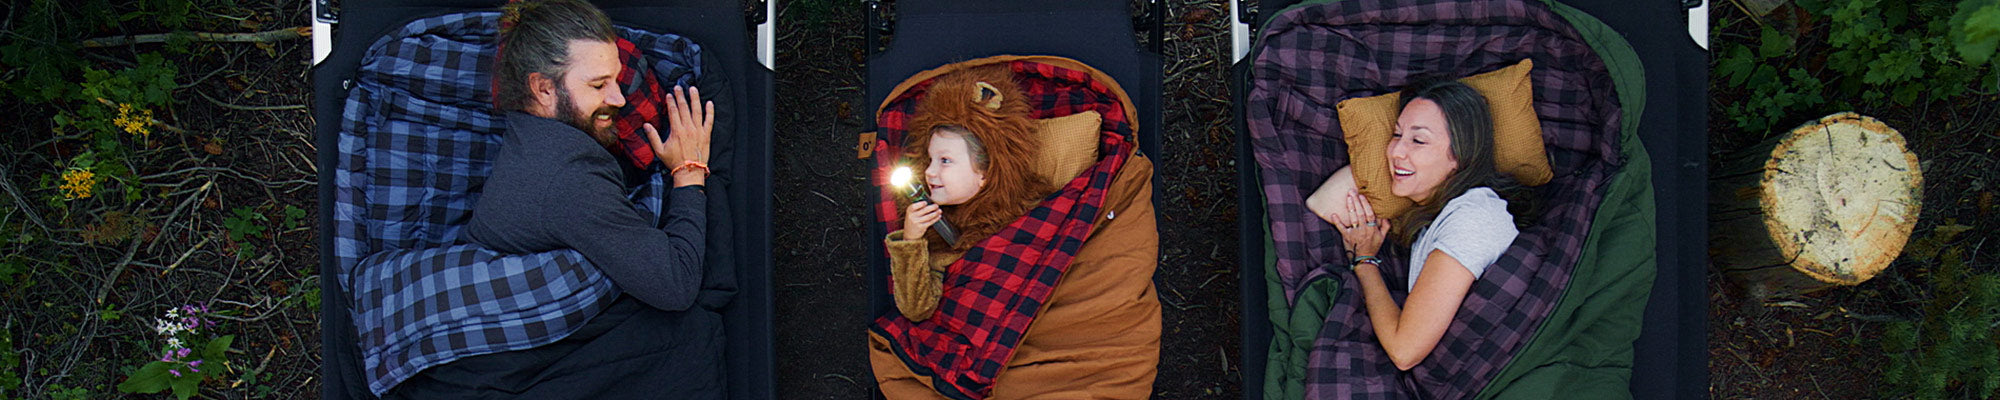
(534,37)
(1470,121)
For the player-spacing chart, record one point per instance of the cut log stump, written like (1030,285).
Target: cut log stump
(1831,203)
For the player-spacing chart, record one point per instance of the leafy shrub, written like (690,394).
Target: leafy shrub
(10,361)
(1954,350)
(1876,51)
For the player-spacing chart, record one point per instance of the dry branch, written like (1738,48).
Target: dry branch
(253,37)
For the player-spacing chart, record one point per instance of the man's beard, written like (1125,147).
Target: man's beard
(566,111)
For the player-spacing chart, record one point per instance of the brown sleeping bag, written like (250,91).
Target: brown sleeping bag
(1099,334)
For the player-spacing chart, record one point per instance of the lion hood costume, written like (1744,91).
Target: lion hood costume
(1048,293)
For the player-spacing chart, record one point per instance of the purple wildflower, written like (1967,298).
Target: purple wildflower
(176,372)
(195,363)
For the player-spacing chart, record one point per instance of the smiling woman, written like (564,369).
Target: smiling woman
(1442,148)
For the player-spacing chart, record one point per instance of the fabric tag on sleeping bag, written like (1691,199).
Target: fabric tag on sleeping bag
(866,147)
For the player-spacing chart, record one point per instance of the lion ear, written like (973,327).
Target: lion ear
(987,95)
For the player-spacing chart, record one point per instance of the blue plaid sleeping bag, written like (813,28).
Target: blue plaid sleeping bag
(417,136)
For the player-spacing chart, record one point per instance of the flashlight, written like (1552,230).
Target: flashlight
(921,193)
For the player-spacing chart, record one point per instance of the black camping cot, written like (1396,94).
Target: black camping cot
(1670,361)
(739,48)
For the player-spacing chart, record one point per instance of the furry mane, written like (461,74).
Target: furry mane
(1007,133)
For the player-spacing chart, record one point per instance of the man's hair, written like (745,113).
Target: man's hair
(535,37)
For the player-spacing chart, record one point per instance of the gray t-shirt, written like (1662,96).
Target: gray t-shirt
(1473,228)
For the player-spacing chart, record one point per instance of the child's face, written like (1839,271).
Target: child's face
(952,177)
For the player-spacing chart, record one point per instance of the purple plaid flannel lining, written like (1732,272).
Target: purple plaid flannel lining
(1314,56)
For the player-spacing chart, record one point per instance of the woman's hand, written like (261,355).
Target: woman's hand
(1327,202)
(1360,232)
(689,124)
(919,217)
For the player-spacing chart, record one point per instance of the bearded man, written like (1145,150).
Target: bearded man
(558,182)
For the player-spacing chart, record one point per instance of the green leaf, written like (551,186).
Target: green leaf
(151,378)
(218,349)
(294,216)
(184,386)
(1975,32)
(1774,44)
(1736,66)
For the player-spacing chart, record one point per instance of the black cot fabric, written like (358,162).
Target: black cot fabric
(718,24)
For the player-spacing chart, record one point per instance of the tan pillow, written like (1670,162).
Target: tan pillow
(1368,123)
(1069,146)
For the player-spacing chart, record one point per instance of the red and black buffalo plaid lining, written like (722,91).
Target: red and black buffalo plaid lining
(996,289)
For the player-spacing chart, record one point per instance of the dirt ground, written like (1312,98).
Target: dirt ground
(822,197)
(1827,344)
(238,137)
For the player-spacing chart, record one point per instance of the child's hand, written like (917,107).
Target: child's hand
(919,217)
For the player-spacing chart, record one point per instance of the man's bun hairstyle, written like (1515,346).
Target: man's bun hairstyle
(534,37)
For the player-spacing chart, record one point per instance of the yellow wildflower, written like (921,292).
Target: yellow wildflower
(134,120)
(78,182)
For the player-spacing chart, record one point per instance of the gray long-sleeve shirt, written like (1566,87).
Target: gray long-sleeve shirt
(553,187)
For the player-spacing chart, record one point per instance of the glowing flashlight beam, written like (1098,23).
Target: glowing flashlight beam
(901,177)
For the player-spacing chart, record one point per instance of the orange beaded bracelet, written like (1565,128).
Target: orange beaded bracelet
(691,164)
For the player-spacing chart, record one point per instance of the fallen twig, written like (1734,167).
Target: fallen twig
(26,208)
(184,255)
(251,108)
(130,250)
(185,203)
(278,35)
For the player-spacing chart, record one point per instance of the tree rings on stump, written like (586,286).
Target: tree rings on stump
(1831,203)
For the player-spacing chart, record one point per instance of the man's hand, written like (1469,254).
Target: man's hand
(918,218)
(690,122)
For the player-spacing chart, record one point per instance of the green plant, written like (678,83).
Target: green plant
(180,366)
(1975,30)
(1954,350)
(1875,51)
(10,362)
(309,299)
(294,216)
(1776,92)
(9,268)
(43,57)
(243,224)
(10,264)
(58,392)
(109,314)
